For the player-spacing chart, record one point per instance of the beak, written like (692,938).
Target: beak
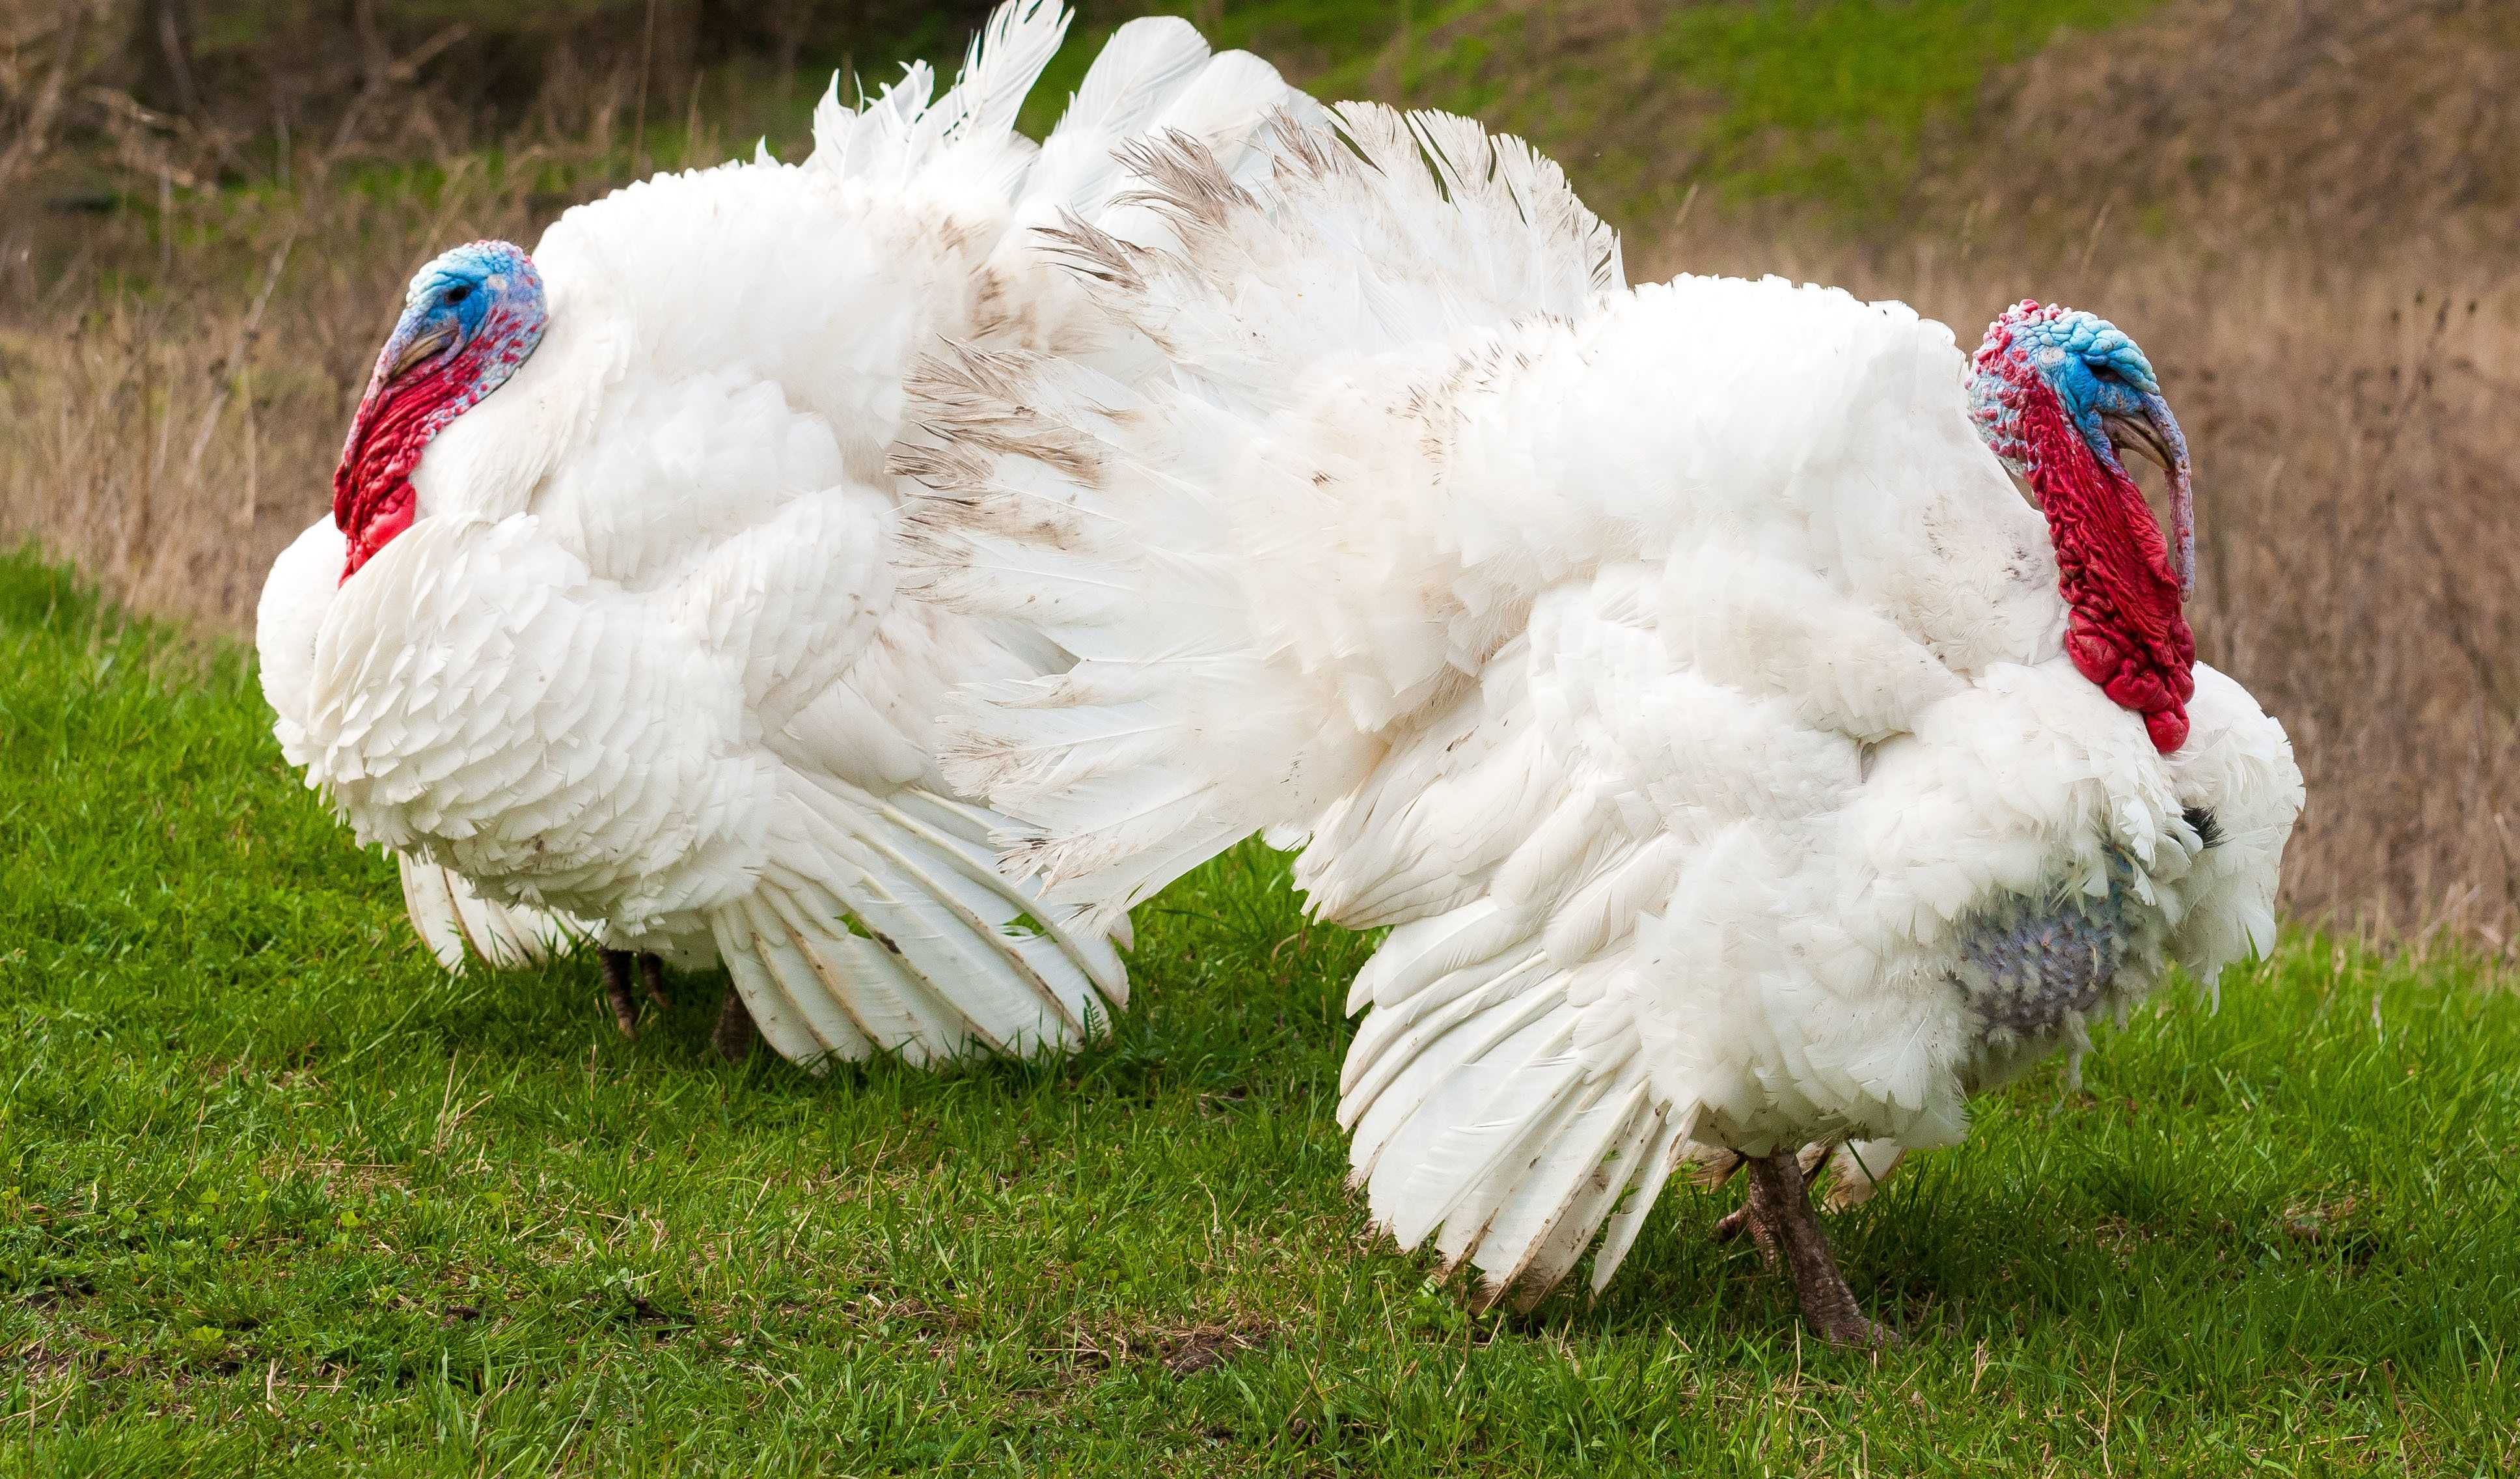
(424,346)
(2156,438)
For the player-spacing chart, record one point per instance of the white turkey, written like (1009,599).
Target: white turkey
(1738,760)
(604,634)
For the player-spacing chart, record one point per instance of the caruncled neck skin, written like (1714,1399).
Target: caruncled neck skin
(371,493)
(2126,630)
(373,498)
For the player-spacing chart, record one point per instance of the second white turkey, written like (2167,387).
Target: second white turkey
(1736,759)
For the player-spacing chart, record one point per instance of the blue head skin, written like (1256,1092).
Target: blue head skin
(481,286)
(2106,390)
(468,320)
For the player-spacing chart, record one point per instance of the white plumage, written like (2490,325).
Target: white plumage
(641,668)
(1674,670)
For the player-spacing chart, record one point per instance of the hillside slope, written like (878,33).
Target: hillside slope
(2357,123)
(2253,120)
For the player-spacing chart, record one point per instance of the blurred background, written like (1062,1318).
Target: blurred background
(2308,211)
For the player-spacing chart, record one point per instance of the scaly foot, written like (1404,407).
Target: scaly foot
(1780,1212)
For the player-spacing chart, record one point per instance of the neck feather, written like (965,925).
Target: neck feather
(2126,630)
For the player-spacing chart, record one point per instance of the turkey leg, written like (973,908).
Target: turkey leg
(616,988)
(1719,1168)
(1780,1214)
(736,1031)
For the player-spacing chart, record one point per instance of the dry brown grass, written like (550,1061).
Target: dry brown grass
(174,383)
(170,437)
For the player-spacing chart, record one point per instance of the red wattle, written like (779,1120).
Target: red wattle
(373,500)
(2127,630)
(390,512)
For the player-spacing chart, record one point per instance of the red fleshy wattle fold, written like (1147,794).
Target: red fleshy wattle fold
(373,500)
(2126,629)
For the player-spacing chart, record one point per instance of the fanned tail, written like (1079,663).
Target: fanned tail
(881,925)
(1156,530)
(1257,556)
(457,923)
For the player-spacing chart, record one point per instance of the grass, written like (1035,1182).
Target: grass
(277,1195)
(1828,99)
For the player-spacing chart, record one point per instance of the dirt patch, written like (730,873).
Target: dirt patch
(1181,1352)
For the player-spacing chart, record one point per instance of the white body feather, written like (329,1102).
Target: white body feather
(1674,670)
(641,668)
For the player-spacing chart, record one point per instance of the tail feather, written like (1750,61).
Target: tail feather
(1146,64)
(878,925)
(1421,952)
(885,999)
(984,831)
(1479,1117)
(905,125)
(1392,1043)
(1656,1155)
(455,923)
(982,987)
(998,70)
(1154,78)
(1236,111)
(800,1016)
(1061,947)
(1561,1189)
(1140,71)
(1487,1121)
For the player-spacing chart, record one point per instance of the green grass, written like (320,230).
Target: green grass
(277,1195)
(1829,98)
